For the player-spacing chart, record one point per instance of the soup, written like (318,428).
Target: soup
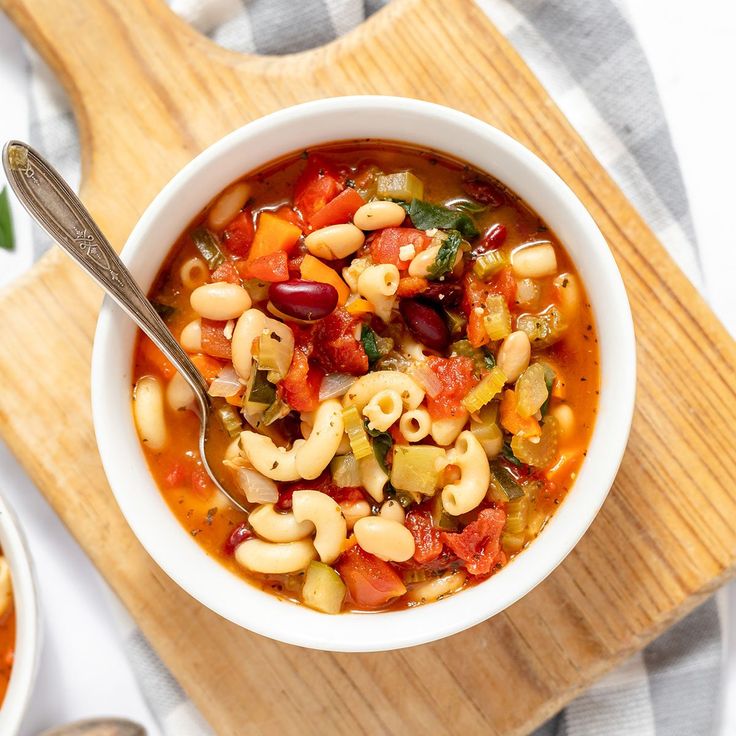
(405,370)
(7,626)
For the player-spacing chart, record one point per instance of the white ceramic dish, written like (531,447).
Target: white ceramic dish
(28,632)
(296,128)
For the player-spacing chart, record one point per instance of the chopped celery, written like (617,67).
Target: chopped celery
(531,390)
(345,471)
(402,185)
(549,379)
(498,318)
(356,433)
(516,515)
(487,431)
(323,588)
(506,482)
(274,355)
(486,390)
(489,264)
(414,468)
(543,329)
(260,392)
(230,419)
(416,575)
(208,246)
(539,454)
(512,543)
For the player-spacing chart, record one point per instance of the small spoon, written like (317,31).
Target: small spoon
(55,207)
(98,727)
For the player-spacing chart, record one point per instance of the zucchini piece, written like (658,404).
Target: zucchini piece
(323,588)
(414,468)
(402,185)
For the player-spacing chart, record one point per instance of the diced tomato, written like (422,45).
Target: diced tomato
(411,286)
(226,271)
(479,544)
(214,341)
(238,535)
(504,283)
(457,378)
(335,347)
(315,187)
(474,305)
(180,472)
(287,213)
(386,244)
(238,235)
(154,358)
(272,267)
(340,209)
(372,583)
(396,434)
(202,484)
(301,384)
(427,543)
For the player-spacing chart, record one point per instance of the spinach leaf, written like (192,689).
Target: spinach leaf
(164,310)
(425,215)
(368,338)
(445,259)
(382,443)
(7,238)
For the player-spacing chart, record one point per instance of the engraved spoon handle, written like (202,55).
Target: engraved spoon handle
(55,207)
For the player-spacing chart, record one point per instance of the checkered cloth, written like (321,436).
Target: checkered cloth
(587,56)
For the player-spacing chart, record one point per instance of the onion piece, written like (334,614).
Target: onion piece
(226,383)
(345,471)
(426,378)
(335,385)
(256,487)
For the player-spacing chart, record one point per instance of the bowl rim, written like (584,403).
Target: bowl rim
(28,621)
(548,195)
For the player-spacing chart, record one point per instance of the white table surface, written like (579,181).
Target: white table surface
(84,671)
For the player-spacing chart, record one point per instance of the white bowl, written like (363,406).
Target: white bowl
(246,149)
(27,632)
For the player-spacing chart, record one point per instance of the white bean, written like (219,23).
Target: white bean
(385,538)
(379,214)
(534,261)
(148,409)
(514,354)
(193,273)
(335,241)
(191,337)
(220,300)
(228,204)
(179,394)
(392,509)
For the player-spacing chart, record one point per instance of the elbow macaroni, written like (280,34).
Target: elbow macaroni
(383,410)
(378,284)
(415,425)
(277,527)
(445,431)
(475,475)
(366,387)
(322,511)
(372,477)
(275,559)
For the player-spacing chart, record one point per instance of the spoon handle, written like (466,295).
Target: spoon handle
(55,207)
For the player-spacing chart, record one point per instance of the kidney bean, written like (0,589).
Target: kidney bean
(484,191)
(493,238)
(303,300)
(238,536)
(425,323)
(446,294)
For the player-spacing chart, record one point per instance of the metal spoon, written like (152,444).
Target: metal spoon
(98,727)
(55,207)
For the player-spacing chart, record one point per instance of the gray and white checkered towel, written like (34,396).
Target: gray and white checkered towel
(586,54)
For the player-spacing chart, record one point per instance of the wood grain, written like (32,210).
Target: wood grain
(149,93)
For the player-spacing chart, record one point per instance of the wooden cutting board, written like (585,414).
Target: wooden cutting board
(149,93)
